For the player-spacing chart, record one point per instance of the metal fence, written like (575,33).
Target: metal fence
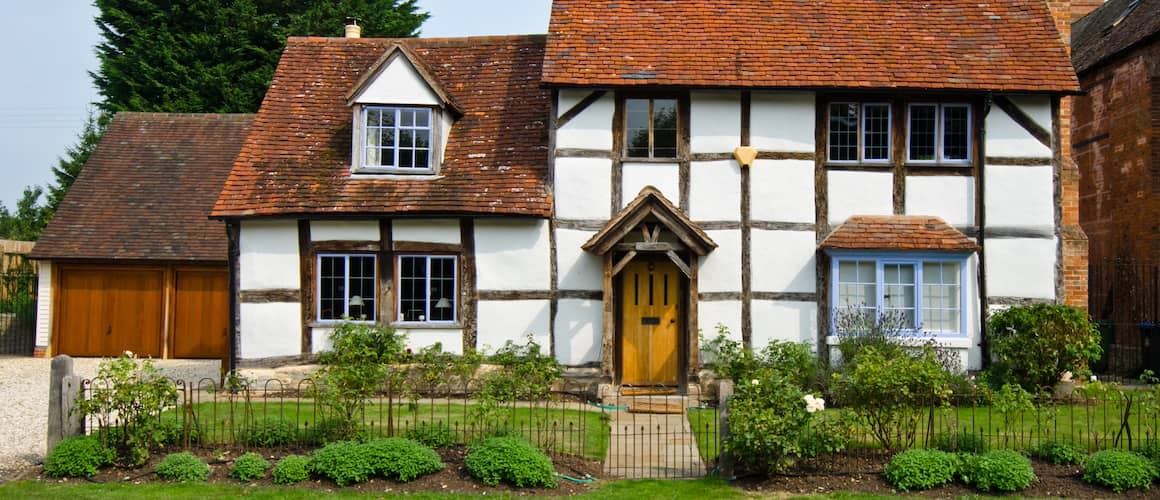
(18,284)
(1124,299)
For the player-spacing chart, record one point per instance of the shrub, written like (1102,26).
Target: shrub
(731,360)
(291,470)
(249,467)
(1034,345)
(79,456)
(825,435)
(401,459)
(131,395)
(960,442)
(346,462)
(356,366)
(1118,470)
(525,373)
(433,434)
(1059,452)
(920,469)
(183,467)
(169,431)
(767,416)
(999,470)
(269,432)
(511,460)
(328,430)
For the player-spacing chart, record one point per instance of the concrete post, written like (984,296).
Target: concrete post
(63,389)
(725,459)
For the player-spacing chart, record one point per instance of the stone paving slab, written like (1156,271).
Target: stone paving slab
(645,445)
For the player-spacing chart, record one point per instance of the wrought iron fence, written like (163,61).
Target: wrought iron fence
(17,310)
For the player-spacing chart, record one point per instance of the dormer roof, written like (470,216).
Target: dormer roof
(394,55)
(650,206)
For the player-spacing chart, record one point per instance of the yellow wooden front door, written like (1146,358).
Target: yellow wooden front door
(650,298)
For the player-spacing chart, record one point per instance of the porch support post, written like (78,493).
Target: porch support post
(608,351)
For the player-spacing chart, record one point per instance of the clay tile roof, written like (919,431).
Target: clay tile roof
(297,158)
(1113,28)
(146,191)
(1010,45)
(897,232)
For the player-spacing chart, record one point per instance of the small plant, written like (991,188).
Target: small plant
(269,432)
(433,434)
(767,416)
(183,467)
(129,394)
(999,470)
(960,442)
(511,460)
(525,373)
(1118,470)
(402,459)
(249,467)
(80,456)
(357,365)
(346,462)
(1035,345)
(1059,452)
(291,470)
(920,469)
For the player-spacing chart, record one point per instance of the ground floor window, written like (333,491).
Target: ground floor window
(427,289)
(346,287)
(920,294)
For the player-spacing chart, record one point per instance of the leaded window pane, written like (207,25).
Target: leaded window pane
(876,132)
(956,132)
(843,143)
(637,127)
(427,291)
(923,122)
(397,137)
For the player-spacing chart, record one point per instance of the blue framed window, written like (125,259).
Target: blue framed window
(926,292)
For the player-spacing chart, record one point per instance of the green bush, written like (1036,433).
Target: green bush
(401,459)
(328,430)
(170,432)
(346,462)
(525,373)
(183,467)
(1118,470)
(79,456)
(920,469)
(731,360)
(249,467)
(129,395)
(1034,345)
(269,432)
(291,470)
(767,416)
(433,434)
(1059,452)
(511,460)
(960,442)
(999,470)
(357,365)
(824,436)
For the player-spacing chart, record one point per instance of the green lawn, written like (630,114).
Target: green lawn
(704,423)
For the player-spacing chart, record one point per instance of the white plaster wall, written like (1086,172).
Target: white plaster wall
(398,83)
(583,188)
(579,326)
(44,304)
(1038,107)
(575,268)
(269,255)
(715,121)
(715,190)
(973,356)
(720,271)
(782,122)
(512,254)
(426,230)
(451,339)
(782,191)
(1021,267)
(713,313)
(269,330)
(663,176)
(859,193)
(1020,196)
(515,320)
(785,321)
(950,198)
(1007,138)
(592,128)
(783,261)
(344,230)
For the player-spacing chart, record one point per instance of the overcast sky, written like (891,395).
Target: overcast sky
(48,51)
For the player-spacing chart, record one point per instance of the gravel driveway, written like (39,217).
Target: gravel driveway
(24,403)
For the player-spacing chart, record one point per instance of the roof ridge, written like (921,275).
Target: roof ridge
(184,115)
(409,40)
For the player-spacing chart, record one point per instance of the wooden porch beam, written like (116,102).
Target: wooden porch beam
(623,262)
(680,263)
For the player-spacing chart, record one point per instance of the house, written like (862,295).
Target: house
(651,169)
(131,260)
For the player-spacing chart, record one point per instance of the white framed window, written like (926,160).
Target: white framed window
(938,133)
(346,287)
(428,289)
(397,139)
(924,292)
(858,132)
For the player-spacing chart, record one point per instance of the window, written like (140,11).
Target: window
(939,133)
(650,128)
(346,287)
(397,139)
(427,289)
(859,132)
(925,294)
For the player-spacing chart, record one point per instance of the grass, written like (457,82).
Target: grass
(704,423)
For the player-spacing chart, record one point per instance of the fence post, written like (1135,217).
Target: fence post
(724,459)
(63,390)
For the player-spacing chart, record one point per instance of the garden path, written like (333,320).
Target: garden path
(650,445)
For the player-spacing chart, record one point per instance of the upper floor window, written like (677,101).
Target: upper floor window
(914,294)
(346,287)
(650,128)
(859,132)
(939,133)
(398,139)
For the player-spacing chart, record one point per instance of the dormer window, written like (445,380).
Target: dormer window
(397,139)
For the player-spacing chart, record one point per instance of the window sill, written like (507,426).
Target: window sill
(952,342)
(858,164)
(398,325)
(394,173)
(336,322)
(628,159)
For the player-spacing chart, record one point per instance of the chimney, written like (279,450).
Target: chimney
(353,30)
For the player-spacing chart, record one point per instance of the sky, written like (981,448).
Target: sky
(48,52)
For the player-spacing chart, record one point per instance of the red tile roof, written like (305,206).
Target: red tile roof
(897,232)
(297,158)
(146,191)
(856,44)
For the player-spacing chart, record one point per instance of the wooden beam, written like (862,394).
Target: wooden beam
(572,112)
(649,247)
(1024,120)
(305,284)
(469,308)
(623,262)
(680,263)
(270,296)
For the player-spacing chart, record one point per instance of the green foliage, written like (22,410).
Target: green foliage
(182,467)
(511,460)
(920,469)
(249,467)
(269,432)
(291,470)
(1118,470)
(525,373)
(731,360)
(402,459)
(433,434)
(357,365)
(434,368)
(1059,452)
(999,470)
(346,462)
(960,442)
(859,329)
(1034,345)
(825,436)
(767,415)
(132,393)
(28,220)
(80,456)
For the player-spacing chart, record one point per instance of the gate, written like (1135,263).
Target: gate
(18,282)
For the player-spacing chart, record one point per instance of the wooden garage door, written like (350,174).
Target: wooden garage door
(201,314)
(104,312)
